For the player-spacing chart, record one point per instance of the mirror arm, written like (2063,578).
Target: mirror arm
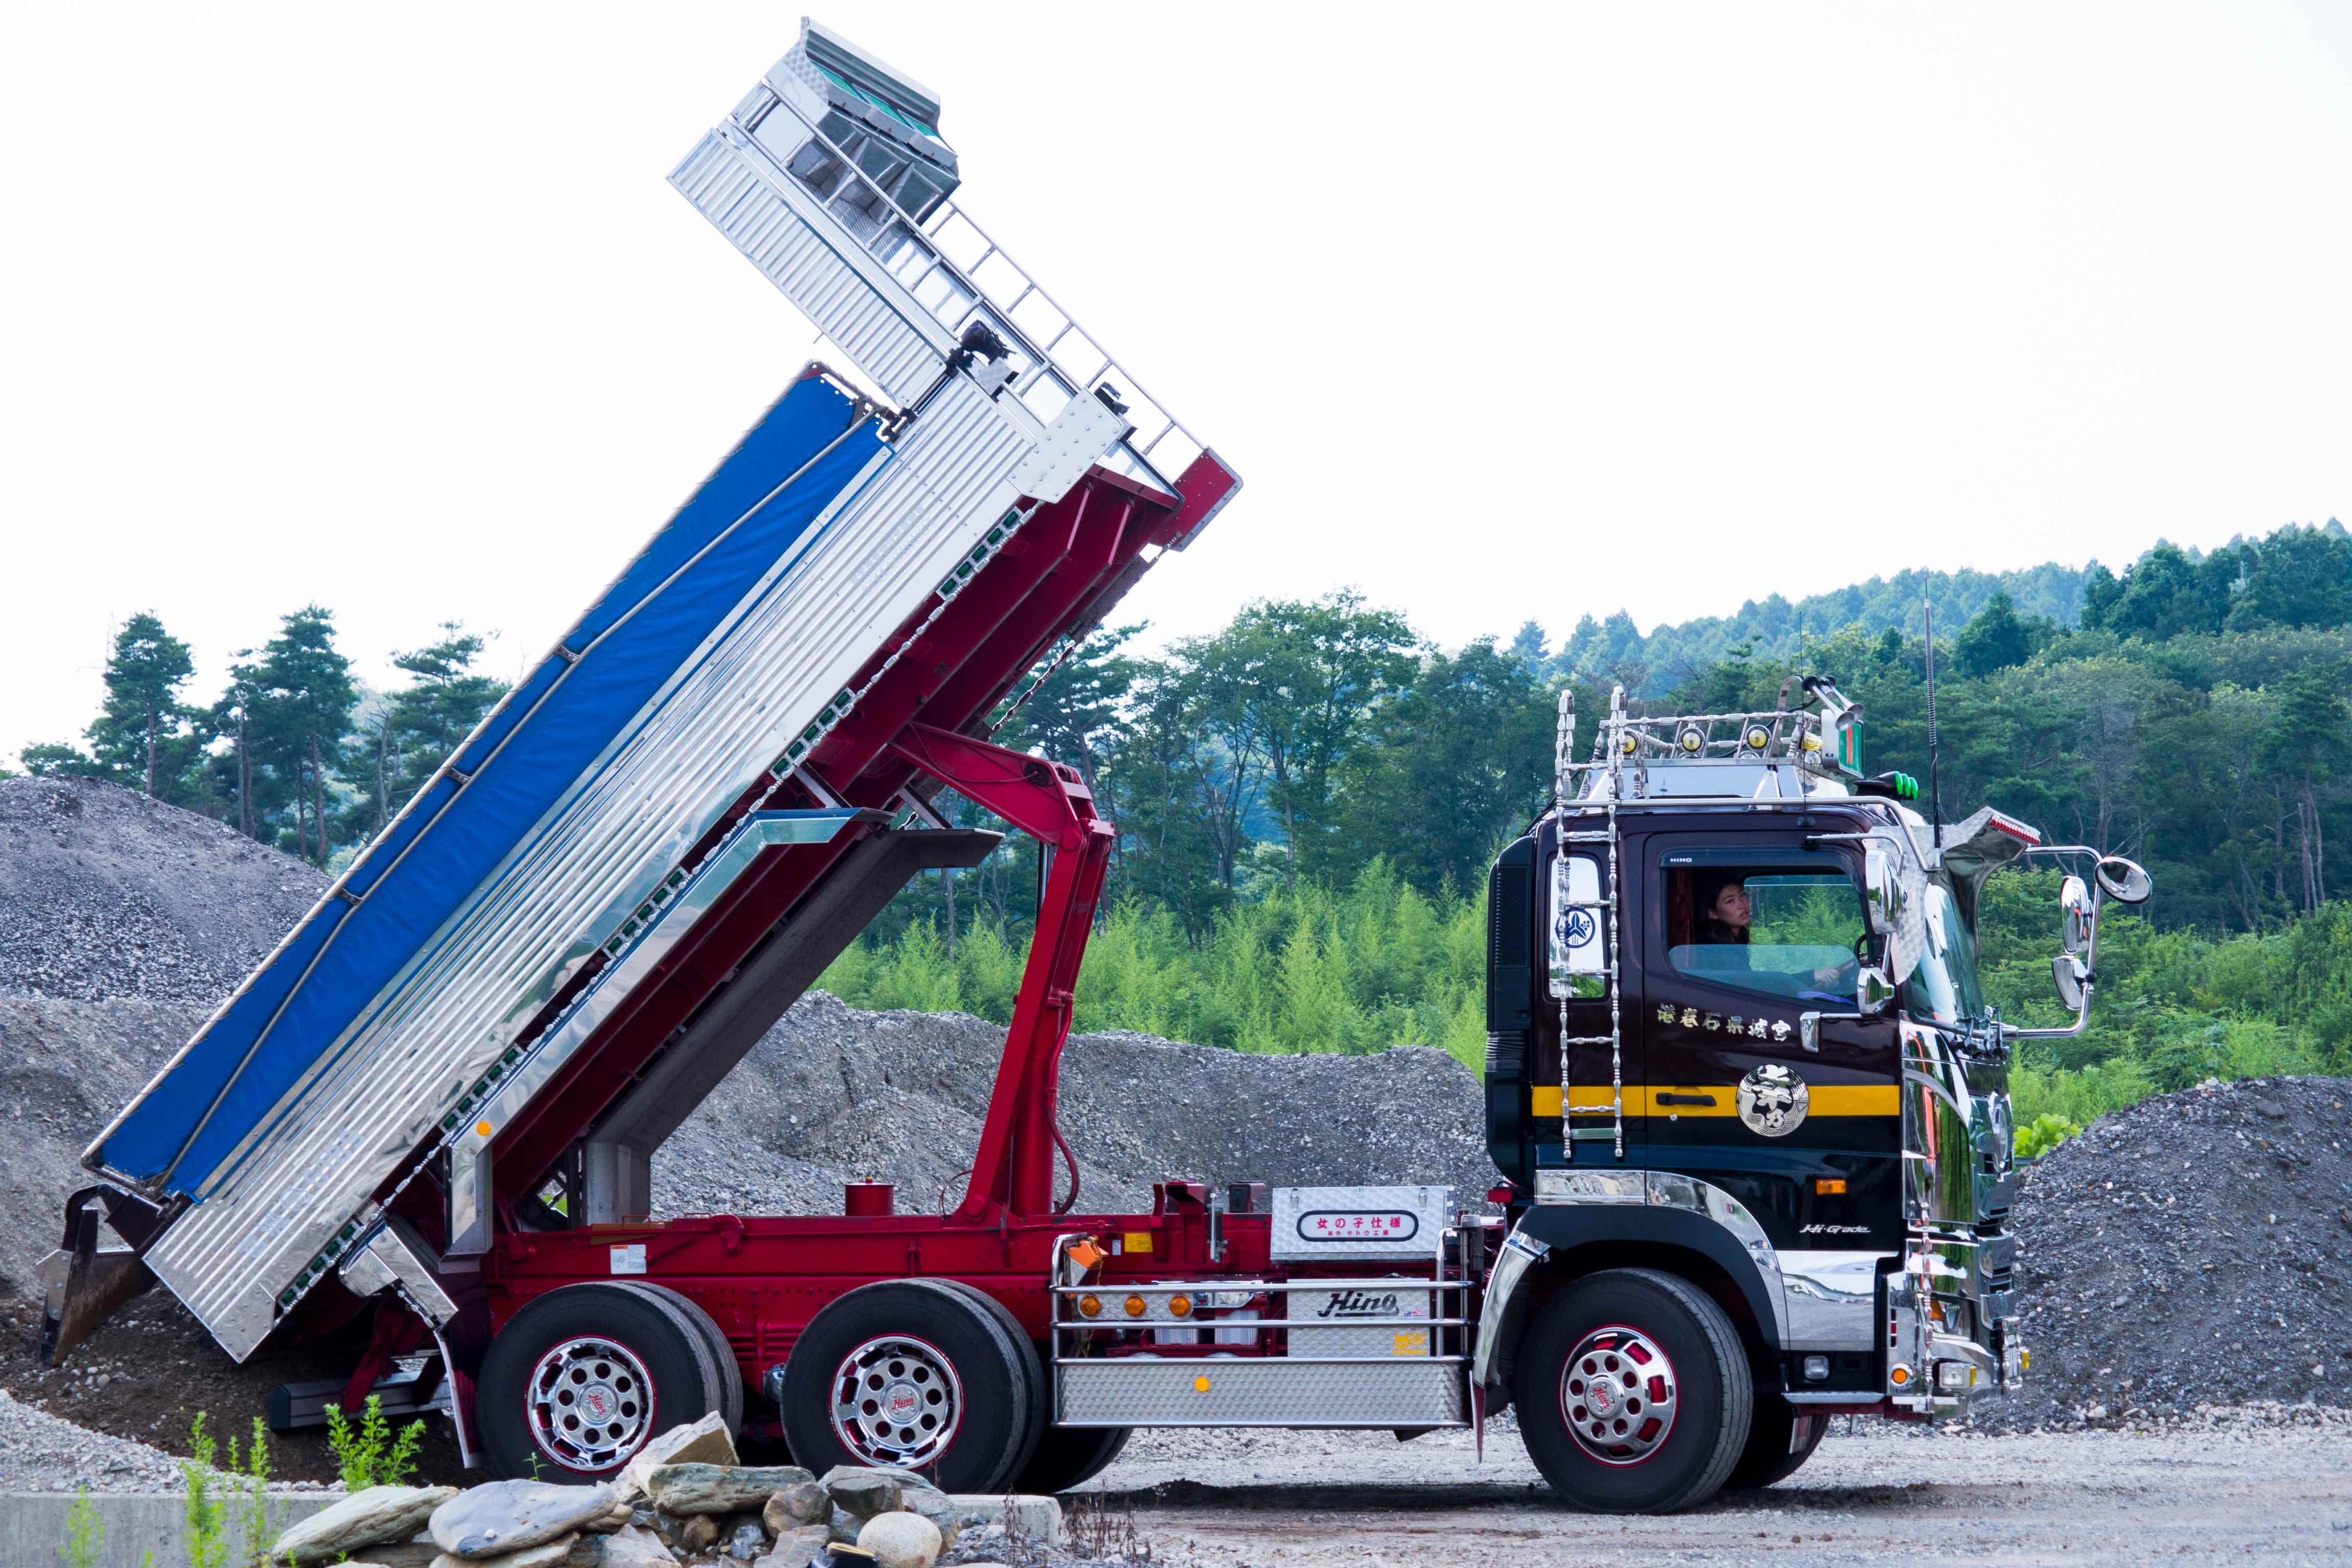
(2081,1020)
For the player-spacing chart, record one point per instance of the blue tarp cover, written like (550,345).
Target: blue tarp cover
(525,757)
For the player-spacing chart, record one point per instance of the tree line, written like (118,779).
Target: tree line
(295,753)
(2189,711)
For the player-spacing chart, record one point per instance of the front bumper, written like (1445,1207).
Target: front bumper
(1932,1370)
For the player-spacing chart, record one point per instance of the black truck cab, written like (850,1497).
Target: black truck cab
(1749,1103)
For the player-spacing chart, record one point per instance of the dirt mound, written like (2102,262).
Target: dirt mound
(105,892)
(2191,1250)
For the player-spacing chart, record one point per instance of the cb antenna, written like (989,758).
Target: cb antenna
(1935,778)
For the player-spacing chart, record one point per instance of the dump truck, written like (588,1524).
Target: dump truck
(1745,1098)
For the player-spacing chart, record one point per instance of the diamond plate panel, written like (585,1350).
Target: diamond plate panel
(1136,1391)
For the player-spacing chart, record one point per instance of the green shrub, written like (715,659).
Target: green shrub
(2042,1134)
(369,1455)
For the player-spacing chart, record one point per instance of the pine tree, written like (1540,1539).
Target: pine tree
(142,736)
(300,714)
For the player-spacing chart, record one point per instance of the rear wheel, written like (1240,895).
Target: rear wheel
(1070,1455)
(1781,1438)
(578,1381)
(913,1373)
(731,1377)
(1633,1393)
(1032,1370)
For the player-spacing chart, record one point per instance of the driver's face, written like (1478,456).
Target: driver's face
(1731,906)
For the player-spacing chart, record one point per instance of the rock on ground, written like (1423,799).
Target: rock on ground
(901,1541)
(364,1518)
(502,1517)
(702,1442)
(685,1490)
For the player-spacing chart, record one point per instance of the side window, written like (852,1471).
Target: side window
(1580,932)
(1785,932)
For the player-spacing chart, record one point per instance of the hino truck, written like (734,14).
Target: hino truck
(1743,1092)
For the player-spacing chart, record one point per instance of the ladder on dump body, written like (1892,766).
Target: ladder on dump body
(1610,754)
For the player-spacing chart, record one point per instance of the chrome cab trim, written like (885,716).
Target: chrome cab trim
(1518,1253)
(1833,1299)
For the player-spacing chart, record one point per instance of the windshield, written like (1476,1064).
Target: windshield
(1944,987)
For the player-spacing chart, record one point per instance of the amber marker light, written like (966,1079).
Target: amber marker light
(1199,1385)
(1180,1306)
(1135,1306)
(1829,1186)
(481,1130)
(1899,1376)
(1090,1305)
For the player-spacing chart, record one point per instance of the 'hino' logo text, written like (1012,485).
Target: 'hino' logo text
(1358,1304)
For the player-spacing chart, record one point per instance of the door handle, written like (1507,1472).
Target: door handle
(1684,1099)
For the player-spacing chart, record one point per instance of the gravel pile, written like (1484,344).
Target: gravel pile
(46,1454)
(2191,1251)
(106,893)
(831,1093)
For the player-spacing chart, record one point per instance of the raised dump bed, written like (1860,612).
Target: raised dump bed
(693,802)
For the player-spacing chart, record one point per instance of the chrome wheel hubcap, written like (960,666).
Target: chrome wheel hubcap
(1619,1394)
(591,1405)
(896,1401)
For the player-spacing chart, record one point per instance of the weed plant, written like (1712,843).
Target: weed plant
(370,1454)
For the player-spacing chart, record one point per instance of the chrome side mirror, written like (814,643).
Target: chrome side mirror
(1881,900)
(2075,899)
(2124,880)
(1808,1031)
(2067,970)
(1873,993)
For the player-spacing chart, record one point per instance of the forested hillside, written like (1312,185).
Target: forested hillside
(1307,800)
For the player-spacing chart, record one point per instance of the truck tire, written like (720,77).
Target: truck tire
(1060,1457)
(579,1379)
(1633,1393)
(1033,1367)
(914,1374)
(731,1376)
(1780,1440)
(1070,1455)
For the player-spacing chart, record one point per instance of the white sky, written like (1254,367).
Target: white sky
(1502,312)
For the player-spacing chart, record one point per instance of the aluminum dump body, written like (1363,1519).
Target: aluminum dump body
(410,1003)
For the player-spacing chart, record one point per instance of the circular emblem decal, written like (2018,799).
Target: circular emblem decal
(1773,1100)
(1580,927)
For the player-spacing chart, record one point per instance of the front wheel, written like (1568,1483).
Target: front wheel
(1780,1440)
(1633,1393)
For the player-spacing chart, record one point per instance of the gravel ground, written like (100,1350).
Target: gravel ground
(2272,1485)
